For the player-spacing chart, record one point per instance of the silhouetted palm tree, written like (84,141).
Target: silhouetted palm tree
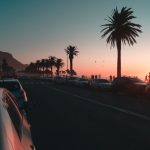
(63,72)
(52,60)
(47,65)
(31,68)
(58,64)
(120,30)
(71,51)
(38,65)
(43,65)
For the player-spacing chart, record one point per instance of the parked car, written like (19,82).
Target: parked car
(81,82)
(16,88)
(46,79)
(14,128)
(49,79)
(101,84)
(128,85)
(71,80)
(59,80)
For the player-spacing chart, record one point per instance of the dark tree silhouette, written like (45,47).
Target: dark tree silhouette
(71,51)
(47,71)
(120,30)
(43,65)
(73,72)
(58,64)
(52,60)
(38,65)
(31,68)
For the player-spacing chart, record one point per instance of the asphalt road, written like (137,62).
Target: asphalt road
(71,118)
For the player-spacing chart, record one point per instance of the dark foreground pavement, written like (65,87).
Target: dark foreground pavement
(63,121)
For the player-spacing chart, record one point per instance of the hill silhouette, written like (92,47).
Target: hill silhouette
(11,61)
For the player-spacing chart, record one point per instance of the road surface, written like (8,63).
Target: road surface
(73,118)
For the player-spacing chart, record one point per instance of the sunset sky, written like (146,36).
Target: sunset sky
(36,29)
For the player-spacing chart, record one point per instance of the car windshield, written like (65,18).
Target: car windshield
(12,86)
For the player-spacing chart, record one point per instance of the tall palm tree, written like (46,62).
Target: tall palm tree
(47,71)
(52,60)
(120,30)
(43,65)
(58,64)
(71,51)
(38,65)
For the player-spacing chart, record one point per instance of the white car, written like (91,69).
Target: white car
(82,82)
(102,84)
(16,88)
(14,128)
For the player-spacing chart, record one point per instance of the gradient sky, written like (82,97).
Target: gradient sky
(36,29)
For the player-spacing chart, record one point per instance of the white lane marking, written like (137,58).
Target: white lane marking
(106,105)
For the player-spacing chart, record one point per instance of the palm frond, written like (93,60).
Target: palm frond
(120,27)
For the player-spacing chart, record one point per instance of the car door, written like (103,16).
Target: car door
(21,125)
(12,123)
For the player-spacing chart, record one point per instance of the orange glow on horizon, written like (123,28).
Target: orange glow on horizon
(105,72)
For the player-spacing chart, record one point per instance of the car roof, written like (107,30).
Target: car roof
(128,78)
(9,80)
(101,79)
(83,79)
(73,78)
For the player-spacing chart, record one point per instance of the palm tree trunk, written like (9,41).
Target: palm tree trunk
(47,71)
(58,71)
(71,67)
(43,71)
(119,58)
(51,71)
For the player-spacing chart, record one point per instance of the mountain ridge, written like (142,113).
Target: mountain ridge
(13,62)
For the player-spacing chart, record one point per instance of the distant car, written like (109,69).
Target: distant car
(59,80)
(81,82)
(101,84)
(14,128)
(71,80)
(128,85)
(49,79)
(16,88)
(46,79)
